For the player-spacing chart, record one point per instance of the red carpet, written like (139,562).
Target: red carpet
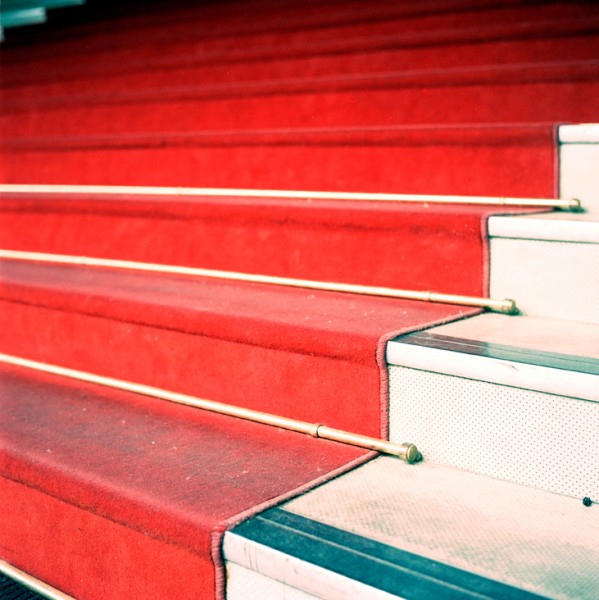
(446,97)
(111,495)
(300,353)
(230,341)
(314,356)
(412,246)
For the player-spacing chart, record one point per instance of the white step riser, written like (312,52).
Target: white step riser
(550,263)
(535,438)
(553,279)
(245,584)
(579,161)
(258,572)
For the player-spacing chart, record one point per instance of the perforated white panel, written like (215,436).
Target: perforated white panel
(244,584)
(546,441)
(547,279)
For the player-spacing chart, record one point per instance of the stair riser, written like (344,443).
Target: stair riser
(258,572)
(341,163)
(533,438)
(548,279)
(337,392)
(346,242)
(378,103)
(90,557)
(243,41)
(185,71)
(579,177)
(246,584)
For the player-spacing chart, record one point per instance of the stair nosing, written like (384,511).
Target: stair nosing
(386,569)
(498,364)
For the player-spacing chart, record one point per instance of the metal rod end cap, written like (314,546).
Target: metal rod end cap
(410,453)
(510,307)
(575,205)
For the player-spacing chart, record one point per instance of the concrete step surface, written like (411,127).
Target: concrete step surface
(470,535)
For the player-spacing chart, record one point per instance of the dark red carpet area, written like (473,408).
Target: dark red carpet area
(444,96)
(112,495)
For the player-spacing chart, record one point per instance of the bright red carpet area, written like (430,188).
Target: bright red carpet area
(401,245)
(424,97)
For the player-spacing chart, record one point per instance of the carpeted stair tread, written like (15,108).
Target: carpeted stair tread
(436,98)
(223,40)
(508,161)
(301,353)
(216,308)
(401,245)
(383,100)
(176,475)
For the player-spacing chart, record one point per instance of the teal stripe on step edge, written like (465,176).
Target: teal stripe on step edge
(567,362)
(372,563)
(26,4)
(19,18)
(13,590)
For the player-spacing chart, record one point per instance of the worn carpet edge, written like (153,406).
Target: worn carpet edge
(218,533)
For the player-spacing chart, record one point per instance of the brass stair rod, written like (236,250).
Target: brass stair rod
(407,452)
(572,204)
(33,583)
(506,306)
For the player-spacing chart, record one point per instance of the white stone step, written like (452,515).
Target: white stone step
(511,397)
(579,164)
(391,530)
(548,263)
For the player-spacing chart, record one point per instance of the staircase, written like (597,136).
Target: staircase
(505,410)
(113,492)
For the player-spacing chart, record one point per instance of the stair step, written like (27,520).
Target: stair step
(256,88)
(579,157)
(270,50)
(238,104)
(387,530)
(548,263)
(390,244)
(514,398)
(178,76)
(112,484)
(293,352)
(472,159)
